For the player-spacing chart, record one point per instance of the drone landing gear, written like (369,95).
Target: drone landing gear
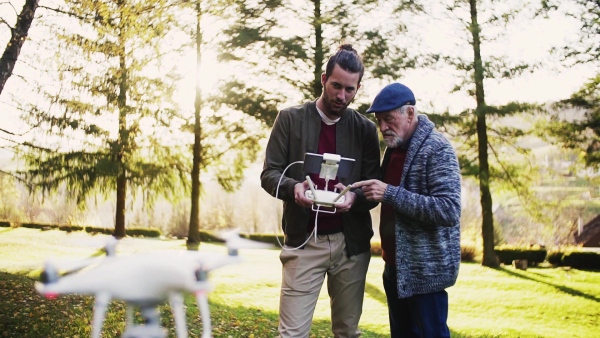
(151,328)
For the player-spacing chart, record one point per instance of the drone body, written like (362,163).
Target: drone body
(147,280)
(140,277)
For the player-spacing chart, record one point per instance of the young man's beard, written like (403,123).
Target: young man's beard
(328,102)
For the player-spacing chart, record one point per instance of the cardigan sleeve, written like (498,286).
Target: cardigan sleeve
(430,196)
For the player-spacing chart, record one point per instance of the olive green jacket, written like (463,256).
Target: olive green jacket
(296,132)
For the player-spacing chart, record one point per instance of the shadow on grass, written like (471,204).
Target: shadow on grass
(25,314)
(2,230)
(561,288)
(375,293)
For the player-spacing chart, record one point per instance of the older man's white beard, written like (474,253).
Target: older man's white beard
(396,142)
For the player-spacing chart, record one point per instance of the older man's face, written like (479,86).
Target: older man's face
(395,126)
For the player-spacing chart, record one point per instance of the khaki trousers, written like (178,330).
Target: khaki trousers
(304,272)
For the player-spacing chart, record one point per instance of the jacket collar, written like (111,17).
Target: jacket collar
(343,146)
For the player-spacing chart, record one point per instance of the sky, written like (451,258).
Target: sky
(528,40)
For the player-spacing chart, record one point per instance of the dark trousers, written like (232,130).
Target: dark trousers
(418,316)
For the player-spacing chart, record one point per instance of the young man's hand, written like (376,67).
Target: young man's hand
(299,197)
(349,198)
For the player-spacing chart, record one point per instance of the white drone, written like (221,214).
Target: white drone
(146,280)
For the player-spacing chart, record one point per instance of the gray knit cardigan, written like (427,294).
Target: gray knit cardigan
(427,206)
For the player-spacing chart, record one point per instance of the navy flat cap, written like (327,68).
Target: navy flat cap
(392,96)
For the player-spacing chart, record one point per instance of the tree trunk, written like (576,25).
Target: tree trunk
(121,197)
(123,146)
(19,35)
(194,227)
(317,86)
(487,226)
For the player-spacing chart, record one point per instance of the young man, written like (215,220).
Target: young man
(341,249)
(420,215)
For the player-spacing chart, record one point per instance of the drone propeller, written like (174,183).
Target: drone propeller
(54,268)
(106,243)
(234,242)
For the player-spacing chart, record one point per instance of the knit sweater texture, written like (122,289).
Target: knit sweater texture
(427,207)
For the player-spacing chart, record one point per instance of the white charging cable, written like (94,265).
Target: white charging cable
(316,215)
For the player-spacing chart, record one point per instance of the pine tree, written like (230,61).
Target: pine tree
(580,134)
(285,45)
(18,36)
(225,141)
(109,119)
(479,131)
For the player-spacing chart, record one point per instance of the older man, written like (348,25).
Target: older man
(420,215)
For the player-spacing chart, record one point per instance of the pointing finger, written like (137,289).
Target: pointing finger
(360,184)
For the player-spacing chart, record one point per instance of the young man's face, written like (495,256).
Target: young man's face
(338,90)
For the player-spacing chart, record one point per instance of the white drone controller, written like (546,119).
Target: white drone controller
(324,197)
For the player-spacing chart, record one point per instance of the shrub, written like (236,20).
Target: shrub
(5,224)
(555,257)
(467,253)
(582,260)
(508,254)
(266,238)
(40,226)
(209,236)
(69,228)
(98,230)
(376,249)
(277,240)
(143,232)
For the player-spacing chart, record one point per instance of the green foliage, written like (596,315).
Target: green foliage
(10,196)
(5,224)
(287,60)
(110,119)
(586,49)
(580,134)
(253,101)
(229,142)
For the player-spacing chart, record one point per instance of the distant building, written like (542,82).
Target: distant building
(589,236)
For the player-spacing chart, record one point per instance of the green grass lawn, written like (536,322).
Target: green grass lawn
(538,302)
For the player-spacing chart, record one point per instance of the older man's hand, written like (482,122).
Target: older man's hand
(372,189)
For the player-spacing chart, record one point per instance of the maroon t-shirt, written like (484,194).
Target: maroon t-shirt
(387,224)
(327,223)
